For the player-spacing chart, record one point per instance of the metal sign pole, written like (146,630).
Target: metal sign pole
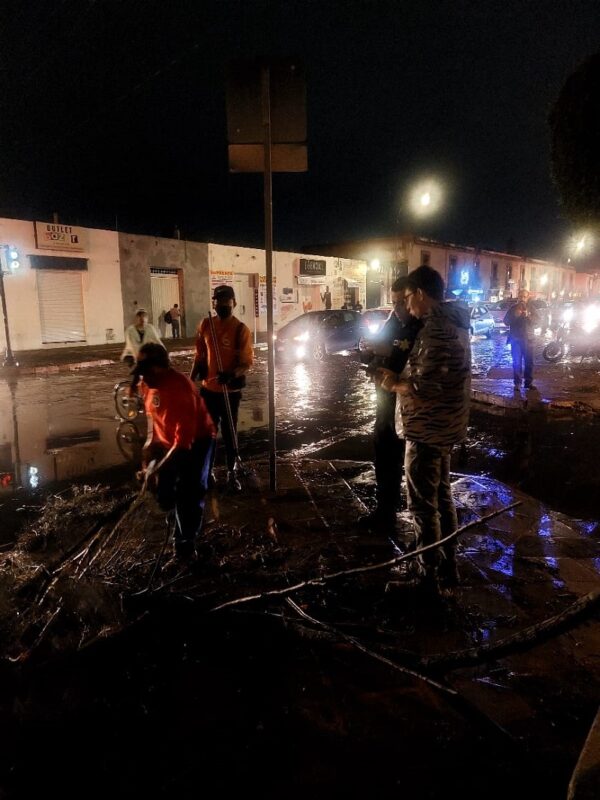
(266,118)
(9,360)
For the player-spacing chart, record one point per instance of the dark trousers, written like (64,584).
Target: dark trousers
(430,502)
(522,356)
(215,405)
(389,453)
(175,328)
(182,485)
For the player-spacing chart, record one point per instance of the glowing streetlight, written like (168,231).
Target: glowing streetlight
(375,264)
(544,279)
(580,244)
(425,198)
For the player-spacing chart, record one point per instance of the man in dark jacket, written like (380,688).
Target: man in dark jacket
(522,319)
(434,411)
(389,348)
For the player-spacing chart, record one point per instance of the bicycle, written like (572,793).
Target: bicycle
(128,406)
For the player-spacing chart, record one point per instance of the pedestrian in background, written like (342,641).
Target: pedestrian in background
(175,314)
(233,346)
(390,348)
(183,432)
(326,299)
(139,333)
(522,319)
(434,400)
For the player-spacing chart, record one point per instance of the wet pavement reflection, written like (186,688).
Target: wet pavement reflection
(64,428)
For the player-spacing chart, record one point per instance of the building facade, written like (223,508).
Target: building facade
(66,289)
(83,286)
(481,274)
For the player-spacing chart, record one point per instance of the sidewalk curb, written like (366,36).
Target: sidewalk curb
(53,369)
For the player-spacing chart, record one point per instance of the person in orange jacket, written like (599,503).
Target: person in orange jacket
(234,344)
(183,439)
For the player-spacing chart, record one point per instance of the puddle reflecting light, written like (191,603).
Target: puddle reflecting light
(34,477)
(302,378)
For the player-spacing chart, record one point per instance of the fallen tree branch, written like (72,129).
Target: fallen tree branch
(528,637)
(372,654)
(361,570)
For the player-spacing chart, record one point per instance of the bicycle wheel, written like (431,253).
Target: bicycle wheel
(130,441)
(127,407)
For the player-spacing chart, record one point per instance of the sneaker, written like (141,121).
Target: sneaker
(233,484)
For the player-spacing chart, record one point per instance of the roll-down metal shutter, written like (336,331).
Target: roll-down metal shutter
(61,306)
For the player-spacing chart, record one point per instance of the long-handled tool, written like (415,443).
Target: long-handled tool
(246,473)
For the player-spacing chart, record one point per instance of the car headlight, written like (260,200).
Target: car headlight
(567,315)
(302,337)
(374,327)
(591,317)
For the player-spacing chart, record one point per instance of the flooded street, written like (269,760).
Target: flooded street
(64,428)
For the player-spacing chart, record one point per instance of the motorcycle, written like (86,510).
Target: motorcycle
(577,338)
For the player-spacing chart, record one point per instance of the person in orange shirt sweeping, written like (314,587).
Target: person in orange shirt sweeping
(182,442)
(223,357)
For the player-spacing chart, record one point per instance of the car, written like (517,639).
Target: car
(373,320)
(482,321)
(499,309)
(318,334)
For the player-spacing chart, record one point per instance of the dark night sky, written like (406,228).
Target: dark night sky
(116,111)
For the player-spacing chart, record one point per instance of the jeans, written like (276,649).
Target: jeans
(215,405)
(389,453)
(522,354)
(175,328)
(430,502)
(182,485)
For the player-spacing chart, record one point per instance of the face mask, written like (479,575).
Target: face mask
(224,311)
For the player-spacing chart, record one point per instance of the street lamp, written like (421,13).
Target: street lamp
(426,197)
(9,263)
(580,244)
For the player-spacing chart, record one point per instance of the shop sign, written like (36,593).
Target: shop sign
(52,236)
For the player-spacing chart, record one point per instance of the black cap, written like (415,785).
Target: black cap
(224,292)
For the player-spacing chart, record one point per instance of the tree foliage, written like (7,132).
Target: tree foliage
(575,129)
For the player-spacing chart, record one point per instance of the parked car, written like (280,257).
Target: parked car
(373,320)
(317,334)
(482,321)
(498,310)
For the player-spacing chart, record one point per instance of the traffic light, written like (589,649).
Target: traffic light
(13,259)
(10,258)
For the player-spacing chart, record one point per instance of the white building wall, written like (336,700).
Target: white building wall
(225,261)
(103,308)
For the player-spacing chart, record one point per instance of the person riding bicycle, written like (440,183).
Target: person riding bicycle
(139,333)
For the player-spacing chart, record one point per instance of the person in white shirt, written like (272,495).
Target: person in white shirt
(141,332)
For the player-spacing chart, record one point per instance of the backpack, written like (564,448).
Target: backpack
(168,317)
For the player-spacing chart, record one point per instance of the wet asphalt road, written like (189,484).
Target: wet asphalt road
(63,428)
